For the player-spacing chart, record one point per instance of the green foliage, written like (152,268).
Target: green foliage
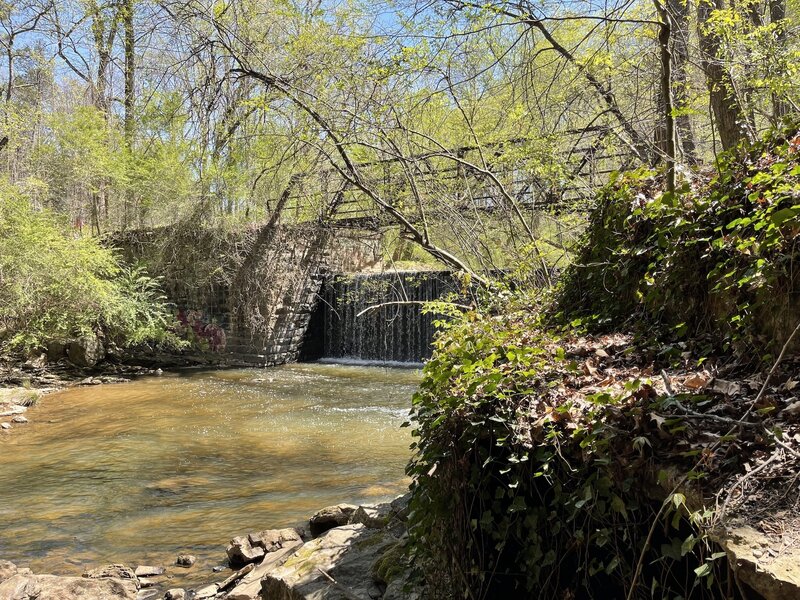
(716,258)
(55,284)
(521,488)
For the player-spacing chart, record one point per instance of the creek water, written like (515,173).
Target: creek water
(141,471)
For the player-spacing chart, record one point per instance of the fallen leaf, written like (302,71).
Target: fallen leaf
(728,388)
(793,409)
(697,381)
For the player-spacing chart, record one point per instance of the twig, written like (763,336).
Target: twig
(771,372)
(741,480)
(347,592)
(401,302)
(714,446)
(691,414)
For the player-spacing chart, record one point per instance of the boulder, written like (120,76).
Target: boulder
(249,588)
(274,539)
(330,517)
(7,569)
(241,552)
(86,351)
(185,560)
(374,516)
(175,594)
(335,566)
(50,587)
(400,506)
(56,350)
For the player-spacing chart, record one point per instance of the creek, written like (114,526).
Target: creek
(139,472)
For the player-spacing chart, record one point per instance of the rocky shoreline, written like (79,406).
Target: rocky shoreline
(343,552)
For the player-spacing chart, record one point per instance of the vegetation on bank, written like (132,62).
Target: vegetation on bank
(56,284)
(549,445)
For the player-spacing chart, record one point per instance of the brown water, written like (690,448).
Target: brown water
(141,471)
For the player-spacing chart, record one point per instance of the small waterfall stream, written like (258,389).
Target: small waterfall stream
(390,333)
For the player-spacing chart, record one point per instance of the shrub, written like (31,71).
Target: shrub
(55,283)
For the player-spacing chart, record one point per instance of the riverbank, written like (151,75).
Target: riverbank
(342,552)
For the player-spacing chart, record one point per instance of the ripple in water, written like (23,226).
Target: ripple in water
(140,472)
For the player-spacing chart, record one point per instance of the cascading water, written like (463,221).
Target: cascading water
(392,332)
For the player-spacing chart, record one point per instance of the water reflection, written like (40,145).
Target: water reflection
(139,472)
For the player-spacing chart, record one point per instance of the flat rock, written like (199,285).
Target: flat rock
(208,591)
(347,554)
(249,588)
(241,552)
(51,587)
(274,539)
(114,572)
(773,577)
(330,517)
(146,582)
(147,571)
(7,410)
(19,419)
(150,594)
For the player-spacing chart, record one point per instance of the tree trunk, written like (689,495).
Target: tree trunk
(679,11)
(664,35)
(729,116)
(777,13)
(130,71)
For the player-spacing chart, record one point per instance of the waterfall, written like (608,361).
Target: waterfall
(391,332)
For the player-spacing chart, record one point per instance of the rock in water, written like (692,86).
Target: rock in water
(241,552)
(175,594)
(86,351)
(185,560)
(146,571)
(50,587)
(330,517)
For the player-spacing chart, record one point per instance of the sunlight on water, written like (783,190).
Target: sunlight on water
(140,472)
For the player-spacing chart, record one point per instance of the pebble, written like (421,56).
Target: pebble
(758,553)
(19,419)
(5,425)
(219,569)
